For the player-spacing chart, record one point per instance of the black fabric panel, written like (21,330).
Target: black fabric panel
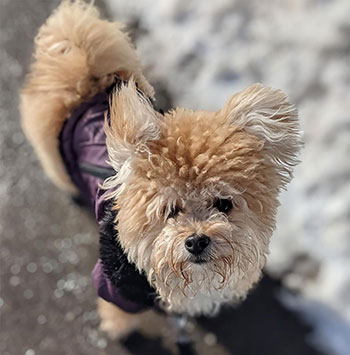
(123,275)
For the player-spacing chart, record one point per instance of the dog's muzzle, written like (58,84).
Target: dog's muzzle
(197,244)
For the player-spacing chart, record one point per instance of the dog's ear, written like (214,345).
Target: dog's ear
(267,114)
(132,123)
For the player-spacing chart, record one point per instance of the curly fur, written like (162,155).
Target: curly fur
(244,152)
(76,56)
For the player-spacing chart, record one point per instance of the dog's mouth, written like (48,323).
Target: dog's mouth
(199,260)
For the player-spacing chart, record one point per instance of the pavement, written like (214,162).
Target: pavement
(49,247)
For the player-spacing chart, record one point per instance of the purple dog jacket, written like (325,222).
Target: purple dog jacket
(84,152)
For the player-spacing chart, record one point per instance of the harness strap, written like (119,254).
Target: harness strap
(97,171)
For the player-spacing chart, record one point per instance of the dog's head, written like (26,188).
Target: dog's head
(197,191)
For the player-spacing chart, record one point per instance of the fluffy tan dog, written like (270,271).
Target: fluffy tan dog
(196,191)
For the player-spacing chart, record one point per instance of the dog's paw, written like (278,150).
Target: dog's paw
(115,322)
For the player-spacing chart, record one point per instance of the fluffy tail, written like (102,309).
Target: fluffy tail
(76,56)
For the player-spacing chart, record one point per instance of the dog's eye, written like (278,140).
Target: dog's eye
(173,212)
(223,205)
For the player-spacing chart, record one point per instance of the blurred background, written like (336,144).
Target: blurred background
(196,54)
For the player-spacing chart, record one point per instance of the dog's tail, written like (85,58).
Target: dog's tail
(76,56)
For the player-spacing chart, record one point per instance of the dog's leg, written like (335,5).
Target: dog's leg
(115,322)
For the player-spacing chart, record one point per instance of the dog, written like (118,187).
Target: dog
(187,202)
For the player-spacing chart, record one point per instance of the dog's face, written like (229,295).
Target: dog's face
(197,192)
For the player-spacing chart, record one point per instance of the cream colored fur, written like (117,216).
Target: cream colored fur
(117,323)
(137,124)
(76,56)
(114,321)
(244,152)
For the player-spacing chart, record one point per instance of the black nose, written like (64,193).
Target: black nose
(195,244)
